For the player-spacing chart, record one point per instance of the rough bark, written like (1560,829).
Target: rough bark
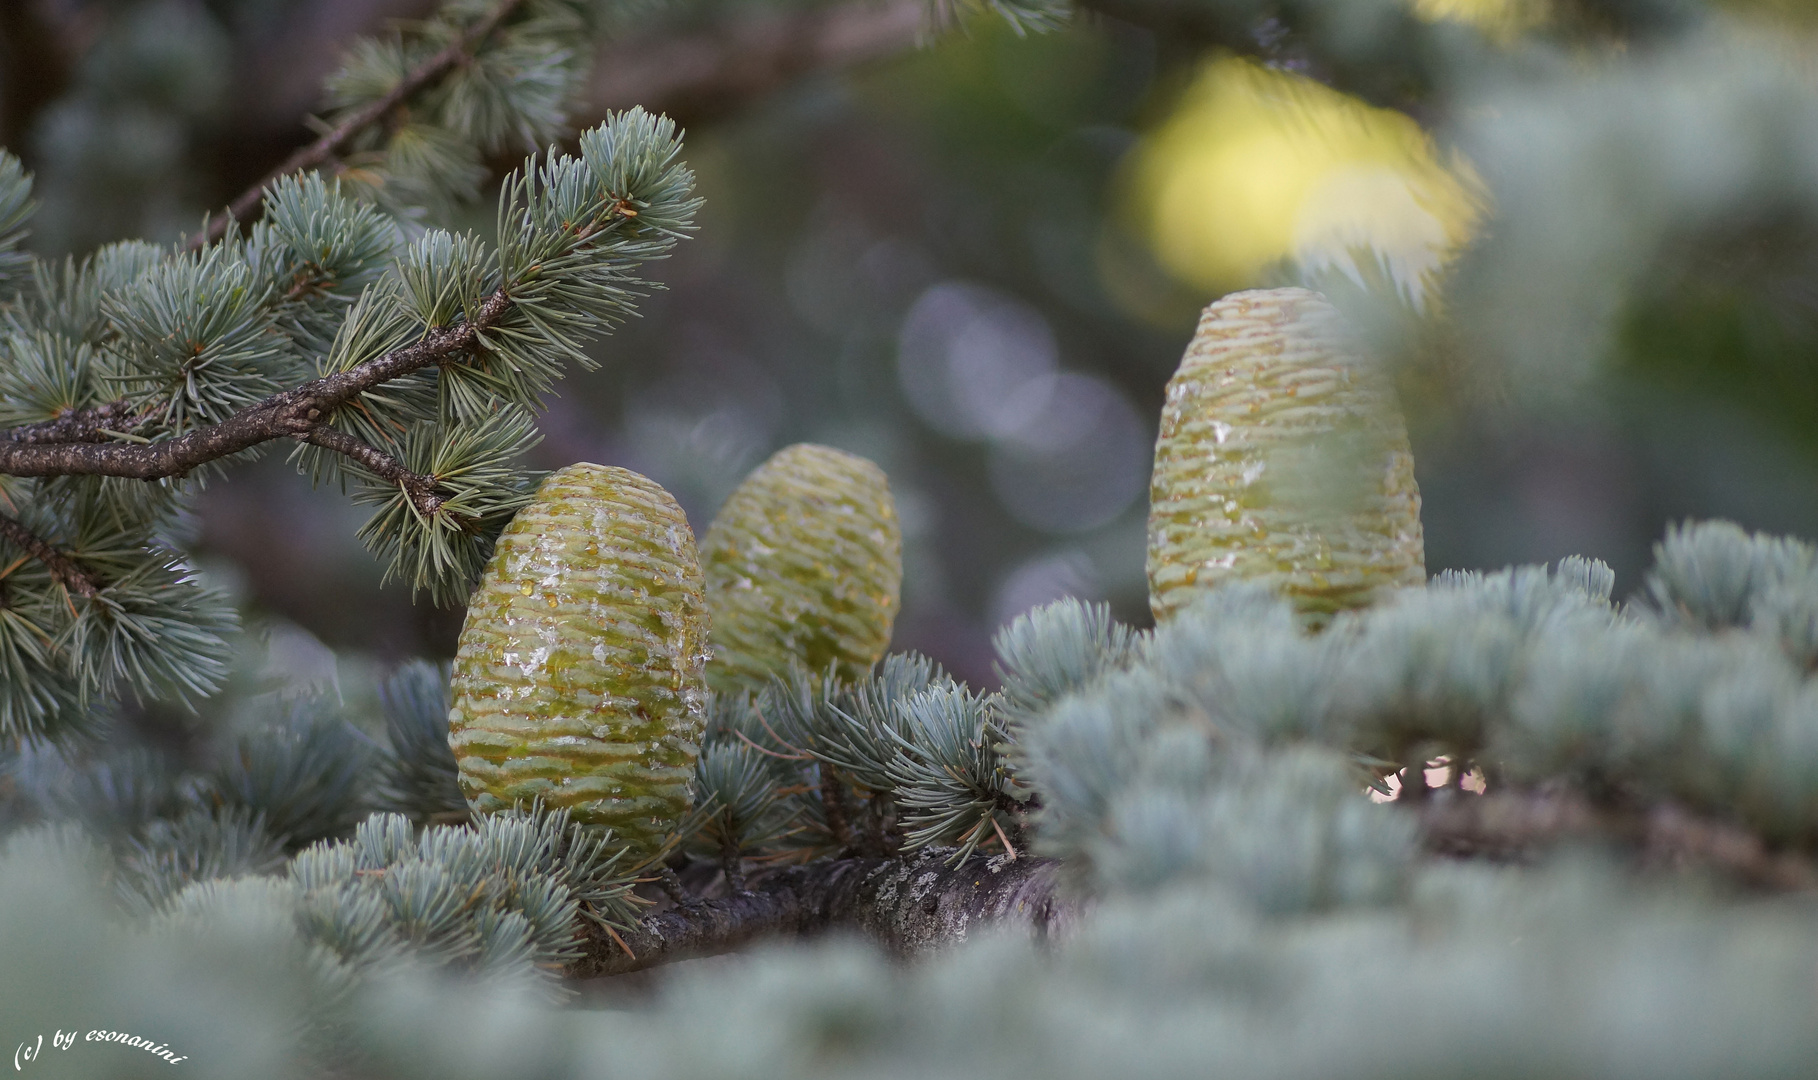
(910,906)
(95,424)
(294,413)
(420,488)
(1513,826)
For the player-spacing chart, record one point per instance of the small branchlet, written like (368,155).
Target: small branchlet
(63,568)
(358,117)
(412,376)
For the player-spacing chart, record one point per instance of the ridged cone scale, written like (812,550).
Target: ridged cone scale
(803,563)
(578,679)
(1283,458)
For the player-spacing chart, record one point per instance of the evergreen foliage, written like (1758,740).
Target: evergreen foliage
(1204,785)
(201,846)
(501,897)
(302,767)
(521,63)
(1054,650)
(183,352)
(740,804)
(950,785)
(1024,15)
(15,209)
(419,775)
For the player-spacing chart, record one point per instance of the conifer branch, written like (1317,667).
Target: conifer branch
(62,568)
(331,141)
(93,424)
(420,488)
(293,413)
(725,66)
(911,906)
(1514,826)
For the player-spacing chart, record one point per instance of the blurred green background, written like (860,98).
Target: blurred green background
(976,262)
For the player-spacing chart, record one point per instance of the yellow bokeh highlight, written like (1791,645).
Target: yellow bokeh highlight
(1503,20)
(1258,166)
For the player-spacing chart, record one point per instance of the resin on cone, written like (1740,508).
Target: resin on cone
(804,563)
(578,679)
(1283,458)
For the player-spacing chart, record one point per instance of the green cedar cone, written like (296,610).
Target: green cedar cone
(804,562)
(578,679)
(1283,458)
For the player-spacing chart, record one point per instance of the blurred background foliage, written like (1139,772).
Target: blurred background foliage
(977,262)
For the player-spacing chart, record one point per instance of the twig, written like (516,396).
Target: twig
(1414,782)
(62,568)
(910,905)
(97,423)
(731,865)
(833,802)
(421,489)
(759,713)
(331,141)
(294,413)
(718,70)
(772,753)
(672,885)
(877,832)
(1009,848)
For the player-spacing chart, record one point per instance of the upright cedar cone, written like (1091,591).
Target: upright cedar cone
(578,679)
(804,562)
(1283,458)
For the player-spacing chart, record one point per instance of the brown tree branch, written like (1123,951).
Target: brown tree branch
(62,568)
(707,73)
(420,489)
(293,413)
(92,424)
(1510,826)
(909,905)
(917,904)
(331,141)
